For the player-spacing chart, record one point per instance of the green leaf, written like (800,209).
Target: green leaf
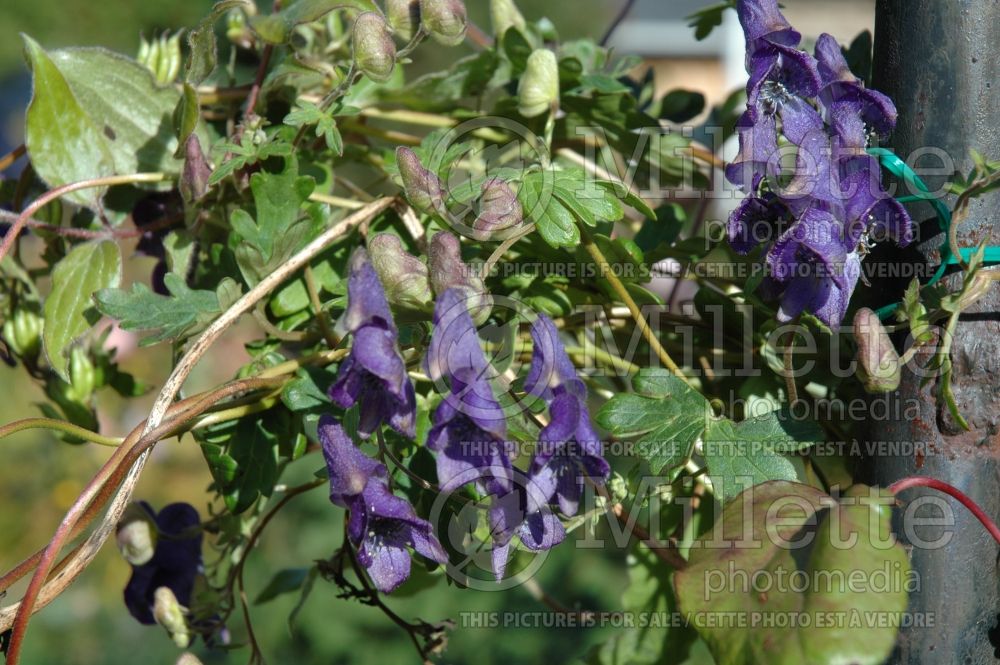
(243,460)
(278,228)
(305,393)
(706,20)
(201,40)
(845,599)
(737,460)
(284,581)
(68,308)
(134,114)
(650,599)
(680,106)
(667,416)
(64,142)
(171,317)
(555,223)
(588,201)
(277,28)
(468,77)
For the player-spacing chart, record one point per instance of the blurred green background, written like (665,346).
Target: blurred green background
(41,476)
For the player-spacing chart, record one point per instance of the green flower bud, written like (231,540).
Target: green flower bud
(505,15)
(403,276)
(878,363)
(499,209)
(423,188)
(404,17)
(448,271)
(168,613)
(24,333)
(374,50)
(136,535)
(82,375)
(538,91)
(446,20)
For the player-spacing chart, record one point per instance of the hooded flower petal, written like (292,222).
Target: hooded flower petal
(176,561)
(381,525)
(374,374)
(523,512)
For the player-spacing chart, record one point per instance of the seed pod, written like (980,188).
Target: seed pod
(136,535)
(403,276)
(448,271)
(423,188)
(168,613)
(404,17)
(878,363)
(505,15)
(374,50)
(499,209)
(538,91)
(446,20)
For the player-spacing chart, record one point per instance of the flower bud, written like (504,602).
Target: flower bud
(82,375)
(23,333)
(168,613)
(188,658)
(403,276)
(374,50)
(878,363)
(194,177)
(136,535)
(499,209)
(505,15)
(448,271)
(404,17)
(423,188)
(538,91)
(446,20)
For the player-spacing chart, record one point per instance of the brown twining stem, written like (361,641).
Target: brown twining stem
(103,486)
(160,409)
(12,157)
(258,81)
(955,493)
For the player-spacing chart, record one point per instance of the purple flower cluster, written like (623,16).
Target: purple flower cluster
(381,526)
(469,432)
(818,225)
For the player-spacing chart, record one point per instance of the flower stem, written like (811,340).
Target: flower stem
(633,308)
(51,195)
(955,493)
(59,426)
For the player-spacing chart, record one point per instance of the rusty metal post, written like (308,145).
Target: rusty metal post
(940,61)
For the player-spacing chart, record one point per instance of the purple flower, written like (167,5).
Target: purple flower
(381,526)
(781,78)
(176,561)
(374,374)
(850,108)
(523,512)
(469,428)
(569,449)
(816,225)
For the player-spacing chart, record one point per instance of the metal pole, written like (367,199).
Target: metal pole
(940,61)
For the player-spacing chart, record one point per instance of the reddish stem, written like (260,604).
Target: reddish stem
(934,483)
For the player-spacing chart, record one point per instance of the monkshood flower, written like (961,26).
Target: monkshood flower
(818,226)
(469,428)
(374,374)
(381,526)
(174,565)
(781,79)
(569,449)
(523,512)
